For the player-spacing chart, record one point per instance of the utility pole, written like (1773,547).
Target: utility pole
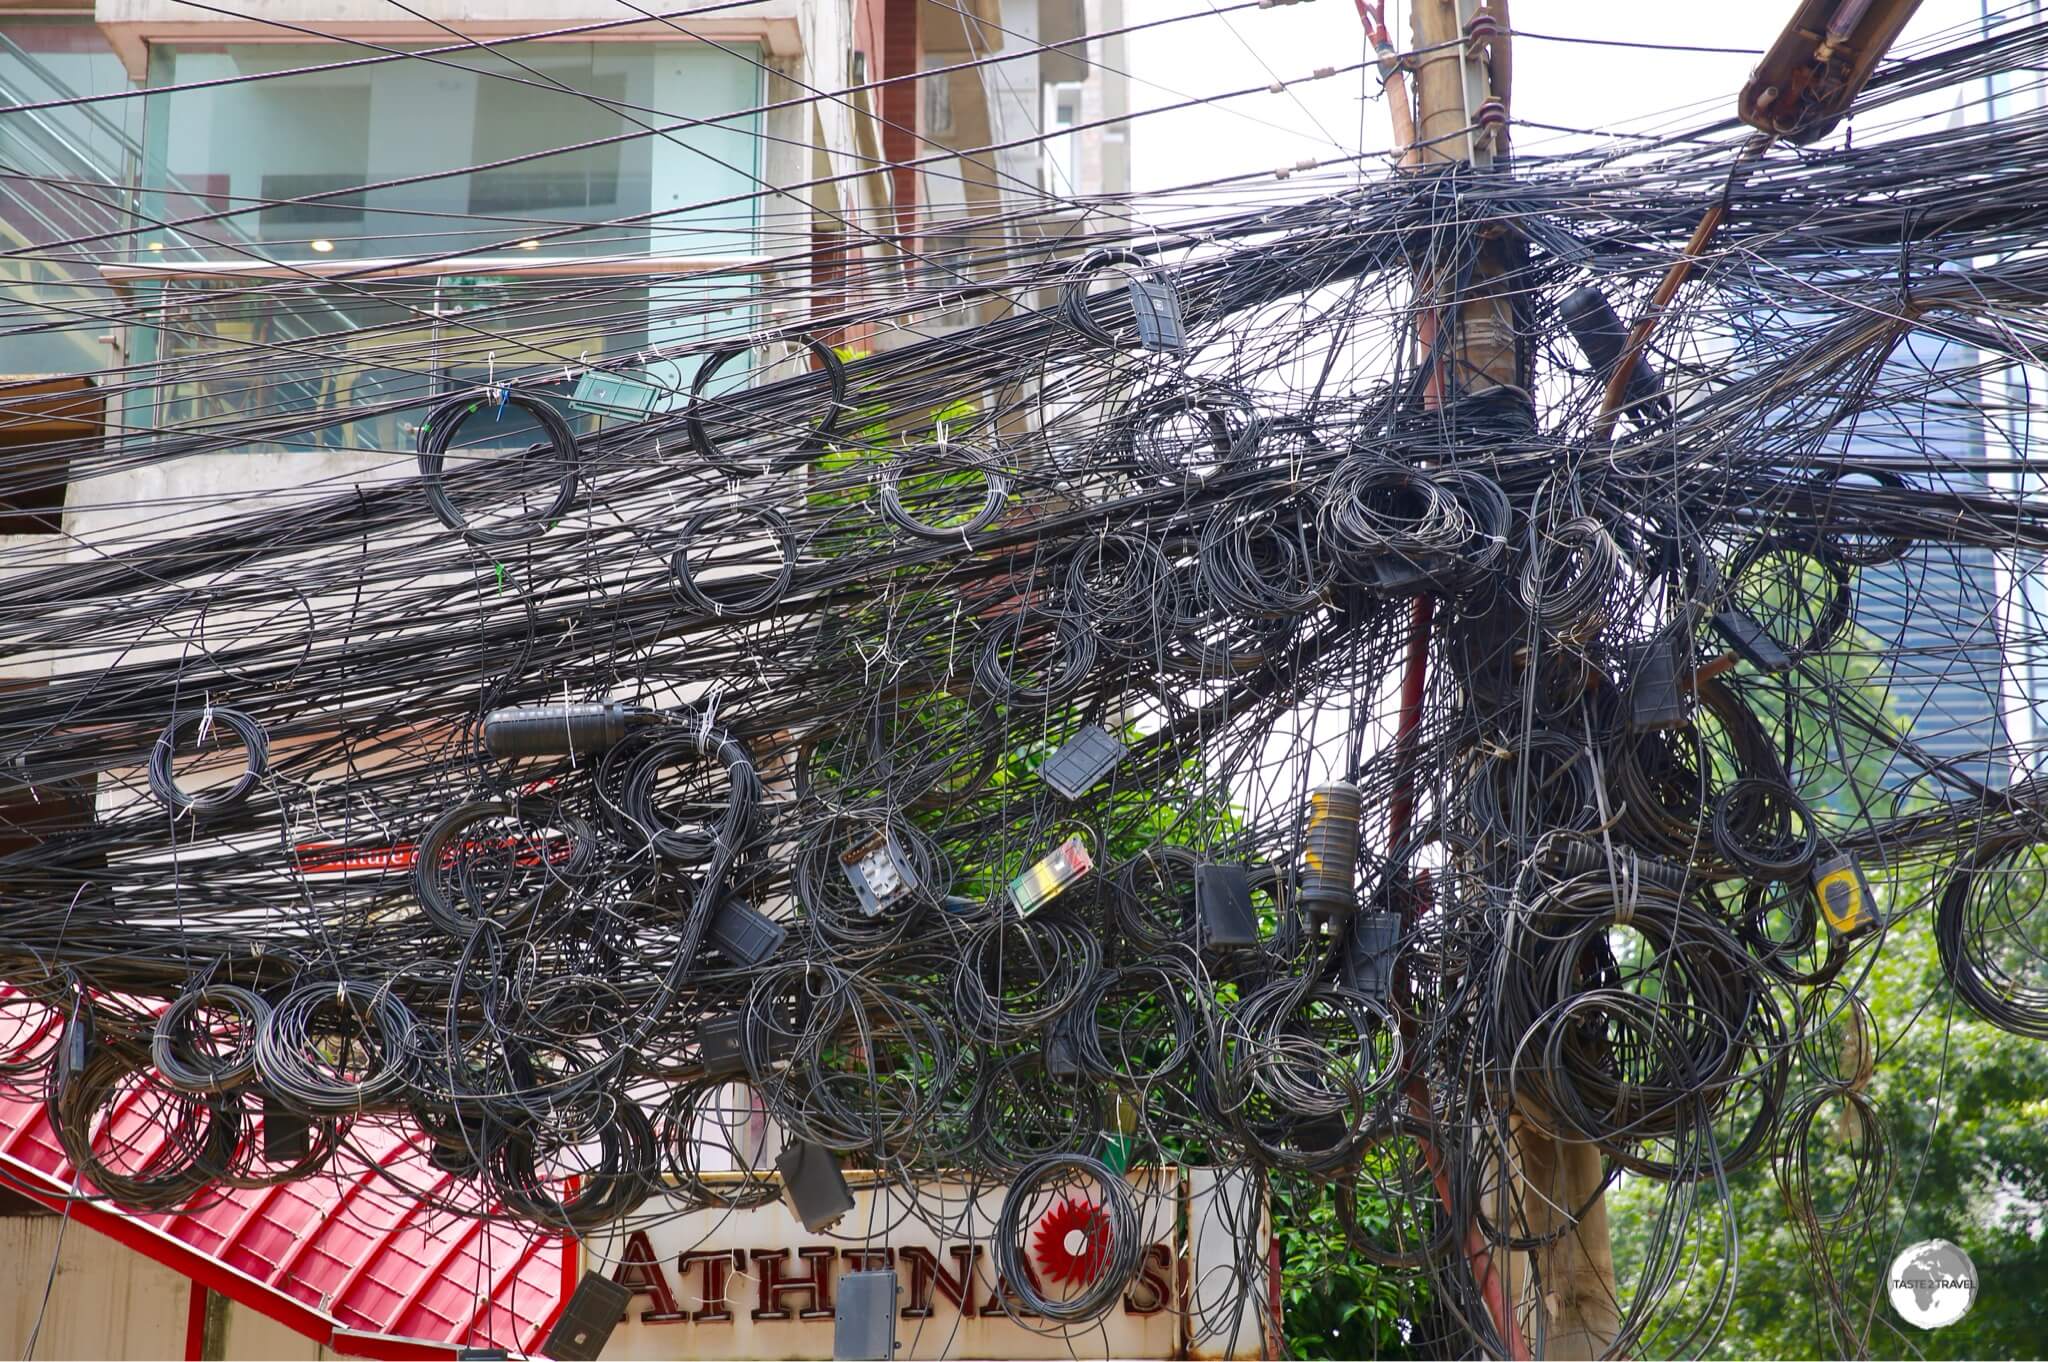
(1461,116)
(1561,1297)
(1462,66)
(1564,1302)
(1575,1312)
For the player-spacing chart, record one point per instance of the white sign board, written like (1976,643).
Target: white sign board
(755,1284)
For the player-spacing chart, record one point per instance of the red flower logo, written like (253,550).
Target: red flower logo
(1072,1242)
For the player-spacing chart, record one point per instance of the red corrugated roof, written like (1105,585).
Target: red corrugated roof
(346,1257)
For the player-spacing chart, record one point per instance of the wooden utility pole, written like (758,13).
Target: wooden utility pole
(1451,84)
(1462,65)
(1563,1304)
(1561,1300)
(1569,1304)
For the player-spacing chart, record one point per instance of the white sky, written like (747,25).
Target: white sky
(1566,84)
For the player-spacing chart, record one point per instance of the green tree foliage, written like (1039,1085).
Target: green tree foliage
(1336,1303)
(1960,1105)
(1962,1110)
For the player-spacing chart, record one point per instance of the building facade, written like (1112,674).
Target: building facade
(338,182)
(321,217)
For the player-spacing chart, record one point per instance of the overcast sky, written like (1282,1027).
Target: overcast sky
(1570,85)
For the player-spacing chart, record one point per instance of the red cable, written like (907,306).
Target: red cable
(1374,17)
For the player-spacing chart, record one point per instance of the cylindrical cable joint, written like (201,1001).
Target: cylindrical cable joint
(561,730)
(1329,852)
(1601,338)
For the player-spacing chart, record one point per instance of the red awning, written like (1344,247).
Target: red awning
(345,1257)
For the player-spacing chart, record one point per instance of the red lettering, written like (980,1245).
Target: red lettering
(817,1283)
(717,1264)
(868,1259)
(1005,1301)
(925,1274)
(329,858)
(639,1271)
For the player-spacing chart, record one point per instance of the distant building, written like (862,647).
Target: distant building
(1935,613)
(275,177)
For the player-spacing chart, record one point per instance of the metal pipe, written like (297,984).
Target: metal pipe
(1414,679)
(1667,289)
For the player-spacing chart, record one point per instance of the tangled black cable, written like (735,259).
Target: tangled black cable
(723,597)
(1109,1229)
(255,760)
(927,759)
(563,455)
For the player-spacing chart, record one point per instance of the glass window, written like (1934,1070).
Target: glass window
(532,146)
(372,356)
(91,149)
(1062,170)
(526,156)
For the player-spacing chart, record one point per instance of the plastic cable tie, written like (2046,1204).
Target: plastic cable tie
(568,733)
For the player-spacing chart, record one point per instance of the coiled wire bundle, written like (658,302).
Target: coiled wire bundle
(690,829)
(940,724)
(561,462)
(1392,525)
(205,1041)
(1619,1050)
(335,1048)
(95,1110)
(255,760)
(1985,929)
(1106,1223)
(1016,977)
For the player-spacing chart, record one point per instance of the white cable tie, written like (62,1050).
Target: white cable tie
(568,733)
